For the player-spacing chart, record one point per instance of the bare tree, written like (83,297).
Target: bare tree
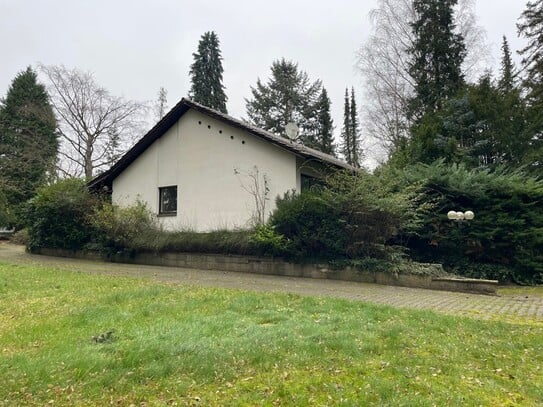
(161,104)
(96,128)
(258,186)
(383,61)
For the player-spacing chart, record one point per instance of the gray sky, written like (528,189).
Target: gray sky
(135,47)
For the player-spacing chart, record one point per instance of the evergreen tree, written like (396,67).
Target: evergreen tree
(206,74)
(346,139)
(531,28)
(437,55)
(288,97)
(28,139)
(325,140)
(481,127)
(507,77)
(356,150)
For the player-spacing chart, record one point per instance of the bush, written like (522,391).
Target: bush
(135,229)
(350,216)
(505,239)
(266,241)
(20,237)
(216,242)
(312,224)
(59,216)
(125,227)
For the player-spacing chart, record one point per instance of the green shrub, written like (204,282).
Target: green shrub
(218,241)
(266,241)
(505,240)
(312,224)
(350,216)
(59,216)
(125,227)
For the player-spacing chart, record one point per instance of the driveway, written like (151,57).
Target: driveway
(512,305)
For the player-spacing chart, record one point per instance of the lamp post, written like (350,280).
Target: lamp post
(460,216)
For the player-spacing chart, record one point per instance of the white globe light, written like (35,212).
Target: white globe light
(452,215)
(459,215)
(469,215)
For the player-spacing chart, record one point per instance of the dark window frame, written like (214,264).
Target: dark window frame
(161,203)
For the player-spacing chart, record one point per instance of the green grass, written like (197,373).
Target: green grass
(203,346)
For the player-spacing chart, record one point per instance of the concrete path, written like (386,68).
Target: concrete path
(520,305)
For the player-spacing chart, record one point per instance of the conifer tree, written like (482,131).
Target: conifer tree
(206,73)
(531,28)
(437,55)
(346,139)
(325,140)
(507,77)
(288,97)
(356,150)
(28,139)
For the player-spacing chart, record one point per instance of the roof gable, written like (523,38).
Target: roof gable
(106,178)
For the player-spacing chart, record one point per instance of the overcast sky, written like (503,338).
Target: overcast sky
(135,47)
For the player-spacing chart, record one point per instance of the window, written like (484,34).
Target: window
(167,200)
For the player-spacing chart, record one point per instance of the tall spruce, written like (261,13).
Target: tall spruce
(437,56)
(346,139)
(356,150)
(288,97)
(531,28)
(507,70)
(325,139)
(206,73)
(28,139)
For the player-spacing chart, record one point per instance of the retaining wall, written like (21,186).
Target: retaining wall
(258,265)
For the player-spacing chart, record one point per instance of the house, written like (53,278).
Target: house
(203,170)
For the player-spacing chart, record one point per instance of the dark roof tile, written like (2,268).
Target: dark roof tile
(106,178)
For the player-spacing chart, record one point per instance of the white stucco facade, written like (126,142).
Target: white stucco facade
(210,162)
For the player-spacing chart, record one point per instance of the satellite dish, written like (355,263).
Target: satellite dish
(292,131)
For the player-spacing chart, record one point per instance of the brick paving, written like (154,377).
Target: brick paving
(524,305)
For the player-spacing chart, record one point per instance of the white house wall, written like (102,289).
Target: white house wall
(210,162)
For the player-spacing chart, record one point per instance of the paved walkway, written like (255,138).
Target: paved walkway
(522,305)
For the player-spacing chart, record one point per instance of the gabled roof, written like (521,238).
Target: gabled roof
(106,178)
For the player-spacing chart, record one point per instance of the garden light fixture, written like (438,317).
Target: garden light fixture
(460,216)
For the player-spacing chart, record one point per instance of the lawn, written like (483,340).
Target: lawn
(182,345)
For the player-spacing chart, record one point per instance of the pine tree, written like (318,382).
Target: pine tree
(346,139)
(531,28)
(206,74)
(28,139)
(437,55)
(325,139)
(507,77)
(356,150)
(288,97)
